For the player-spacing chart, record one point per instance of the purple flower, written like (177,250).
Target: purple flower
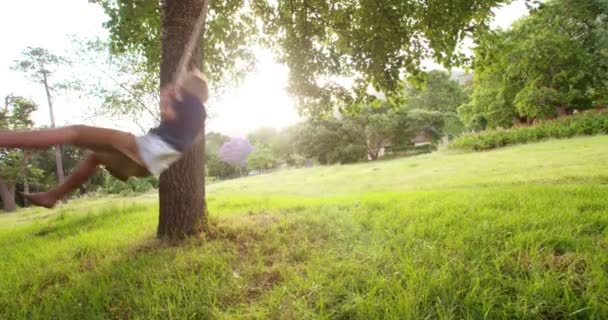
(235,151)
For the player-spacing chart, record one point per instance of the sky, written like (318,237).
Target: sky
(260,100)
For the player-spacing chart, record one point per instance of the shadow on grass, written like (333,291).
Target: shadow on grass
(235,264)
(68,223)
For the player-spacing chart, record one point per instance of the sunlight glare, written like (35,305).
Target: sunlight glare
(261,100)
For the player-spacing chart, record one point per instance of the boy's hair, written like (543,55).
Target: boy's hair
(196,84)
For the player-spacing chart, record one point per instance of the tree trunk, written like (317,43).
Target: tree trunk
(561,111)
(7,193)
(182,187)
(58,158)
(373,155)
(26,184)
(26,190)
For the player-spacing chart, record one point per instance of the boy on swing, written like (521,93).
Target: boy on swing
(121,153)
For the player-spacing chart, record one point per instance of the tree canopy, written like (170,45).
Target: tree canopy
(553,61)
(235,151)
(14,167)
(439,93)
(372,42)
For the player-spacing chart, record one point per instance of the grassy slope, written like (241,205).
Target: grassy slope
(520,232)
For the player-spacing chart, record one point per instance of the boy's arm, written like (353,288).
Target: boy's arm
(167,95)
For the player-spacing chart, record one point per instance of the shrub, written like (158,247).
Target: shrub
(589,123)
(131,186)
(296,160)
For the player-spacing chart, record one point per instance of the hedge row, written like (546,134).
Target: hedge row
(589,123)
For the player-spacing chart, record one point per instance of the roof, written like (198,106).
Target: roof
(422,136)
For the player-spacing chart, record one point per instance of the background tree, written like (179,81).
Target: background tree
(410,122)
(331,140)
(215,141)
(121,82)
(263,137)
(376,125)
(439,93)
(39,64)
(14,165)
(235,152)
(44,159)
(279,142)
(285,144)
(359,136)
(599,93)
(215,166)
(261,159)
(372,42)
(548,64)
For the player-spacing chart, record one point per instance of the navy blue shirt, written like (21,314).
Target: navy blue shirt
(181,132)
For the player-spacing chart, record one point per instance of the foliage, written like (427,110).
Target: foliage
(441,94)
(442,236)
(296,160)
(377,133)
(214,141)
(235,151)
(362,135)
(134,27)
(261,159)
(331,141)
(285,145)
(263,137)
(552,61)
(14,164)
(589,123)
(129,187)
(218,168)
(214,165)
(39,64)
(409,122)
(277,142)
(375,42)
(121,82)
(44,159)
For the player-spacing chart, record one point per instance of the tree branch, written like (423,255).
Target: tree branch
(121,85)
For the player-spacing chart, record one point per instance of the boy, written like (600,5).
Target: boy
(121,153)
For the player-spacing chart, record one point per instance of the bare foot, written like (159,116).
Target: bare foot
(42,199)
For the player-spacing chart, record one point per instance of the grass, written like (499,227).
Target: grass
(520,232)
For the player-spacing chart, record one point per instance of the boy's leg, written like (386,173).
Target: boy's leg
(80,175)
(96,139)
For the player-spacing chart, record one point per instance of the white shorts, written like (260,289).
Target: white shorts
(156,154)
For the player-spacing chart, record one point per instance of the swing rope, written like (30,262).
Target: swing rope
(182,67)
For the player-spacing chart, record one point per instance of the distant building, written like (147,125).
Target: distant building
(422,138)
(461,76)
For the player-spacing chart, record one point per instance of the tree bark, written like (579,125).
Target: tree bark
(7,193)
(561,111)
(26,184)
(58,158)
(182,187)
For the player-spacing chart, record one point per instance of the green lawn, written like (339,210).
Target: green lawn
(516,233)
